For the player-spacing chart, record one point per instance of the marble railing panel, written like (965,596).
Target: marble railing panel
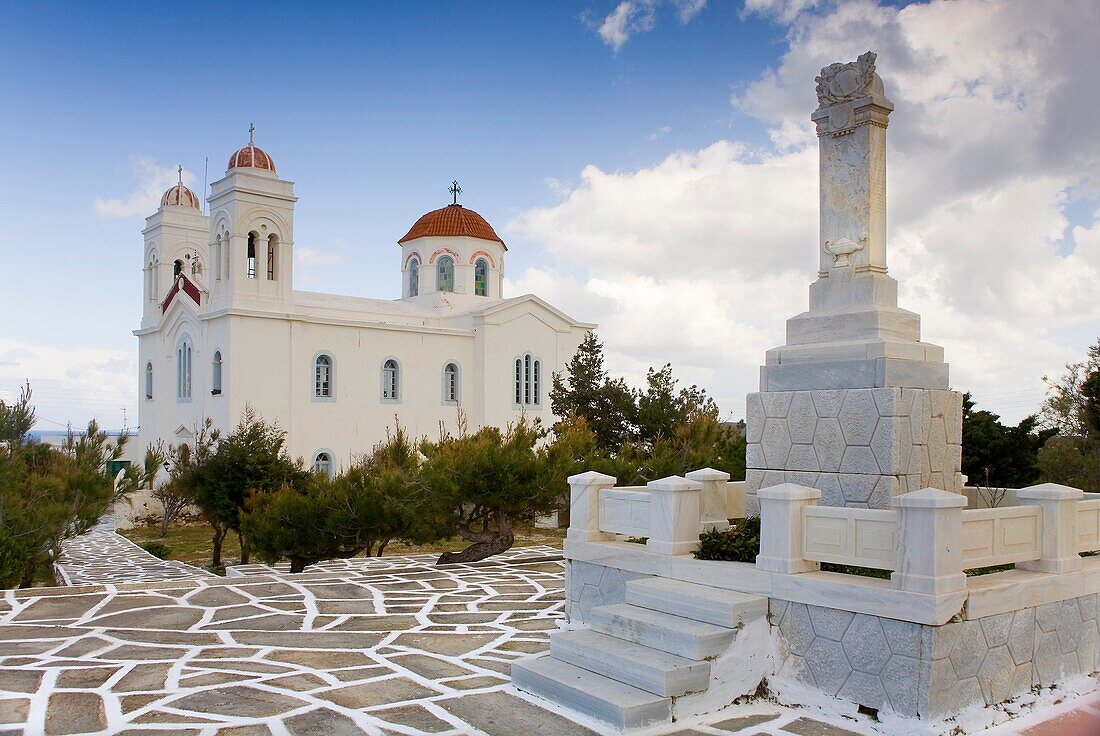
(1088,526)
(625,511)
(847,536)
(1002,536)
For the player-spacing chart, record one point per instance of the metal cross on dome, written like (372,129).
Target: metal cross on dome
(455,190)
(251,129)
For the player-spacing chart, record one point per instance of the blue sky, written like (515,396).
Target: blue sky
(372,109)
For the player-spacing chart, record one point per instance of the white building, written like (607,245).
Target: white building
(222,326)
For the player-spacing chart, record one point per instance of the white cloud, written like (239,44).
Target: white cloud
(153,181)
(660,133)
(631,17)
(315,257)
(71,384)
(782,10)
(700,259)
(688,9)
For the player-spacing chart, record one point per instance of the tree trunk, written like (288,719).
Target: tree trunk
(381,546)
(219,537)
(485,544)
(246,551)
(164,523)
(29,569)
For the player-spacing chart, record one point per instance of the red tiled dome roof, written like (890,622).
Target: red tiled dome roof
(251,157)
(452,221)
(181,196)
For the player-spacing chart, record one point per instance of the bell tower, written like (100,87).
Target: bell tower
(175,243)
(252,232)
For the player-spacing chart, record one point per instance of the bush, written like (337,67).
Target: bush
(739,543)
(375,501)
(157,549)
(49,494)
(480,485)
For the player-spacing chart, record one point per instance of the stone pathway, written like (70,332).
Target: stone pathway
(104,556)
(361,652)
(376,646)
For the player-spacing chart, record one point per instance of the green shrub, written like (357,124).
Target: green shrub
(157,549)
(739,543)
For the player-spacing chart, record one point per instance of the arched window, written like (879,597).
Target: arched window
(391,381)
(322,464)
(225,256)
(519,382)
(151,281)
(528,381)
(414,277)
(481,277)
(183,370)
(450,383)
(177,268)
(322,377)
(149,380)
(218,258)
(216,374)
(445,274)
(272,242)
(251,271)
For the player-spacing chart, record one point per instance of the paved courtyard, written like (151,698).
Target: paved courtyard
(379,646)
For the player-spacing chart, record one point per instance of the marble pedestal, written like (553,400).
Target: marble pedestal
(859,446)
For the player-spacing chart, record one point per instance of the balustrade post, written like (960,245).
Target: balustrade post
(1058,536)
(928,546)
(584,506)
(781,528)
(673,515)
(714,514)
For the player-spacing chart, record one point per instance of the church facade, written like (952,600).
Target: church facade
(223,327)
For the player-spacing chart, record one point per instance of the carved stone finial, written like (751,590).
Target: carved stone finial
(846,82)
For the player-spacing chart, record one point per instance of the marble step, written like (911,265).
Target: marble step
(590,694)
(699,602)
(657,630)
(649,669)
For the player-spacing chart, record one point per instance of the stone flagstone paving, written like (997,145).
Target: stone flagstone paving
(378,646)
(103,556)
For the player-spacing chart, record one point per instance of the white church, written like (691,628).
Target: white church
(222,327)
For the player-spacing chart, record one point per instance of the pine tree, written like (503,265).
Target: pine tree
(609,407)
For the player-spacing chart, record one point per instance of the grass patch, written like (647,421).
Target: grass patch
(192,543)
(975,571)
(867,572)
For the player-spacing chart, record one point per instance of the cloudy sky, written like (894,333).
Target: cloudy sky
(650,164)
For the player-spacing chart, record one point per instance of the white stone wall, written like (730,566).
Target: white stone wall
(860,447)
(930,671)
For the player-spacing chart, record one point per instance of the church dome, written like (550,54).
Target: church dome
(180,196)
(454,220)
(251,156)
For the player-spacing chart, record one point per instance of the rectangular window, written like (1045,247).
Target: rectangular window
(271,263)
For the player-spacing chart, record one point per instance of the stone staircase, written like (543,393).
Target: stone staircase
(638,657)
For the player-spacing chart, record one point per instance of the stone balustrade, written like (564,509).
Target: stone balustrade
(670,513)
(928,539)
